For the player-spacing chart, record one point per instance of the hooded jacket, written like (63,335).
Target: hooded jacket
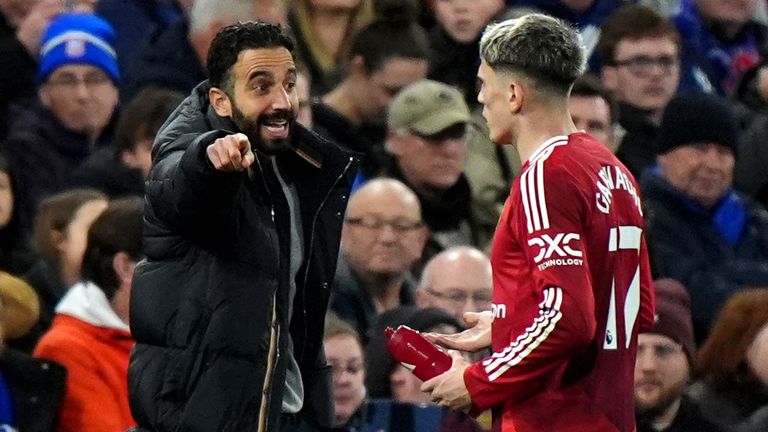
(90,340)
(209,305)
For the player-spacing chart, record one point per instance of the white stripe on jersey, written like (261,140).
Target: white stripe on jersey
(561,139)
(529,179)
(532,186)
(534,335)
(546,303)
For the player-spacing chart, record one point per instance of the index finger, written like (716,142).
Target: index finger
(242,141)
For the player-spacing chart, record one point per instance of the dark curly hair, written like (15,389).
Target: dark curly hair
(232,40)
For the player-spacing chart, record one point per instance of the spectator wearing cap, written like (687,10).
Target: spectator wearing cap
(427,139)
(701,231)
(73,113)
(665,361)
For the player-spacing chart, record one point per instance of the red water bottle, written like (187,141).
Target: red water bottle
(417,354)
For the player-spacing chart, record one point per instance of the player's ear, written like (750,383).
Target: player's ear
(515,96)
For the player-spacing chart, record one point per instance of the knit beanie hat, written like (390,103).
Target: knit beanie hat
(78,38)
(697,118)
(673,315)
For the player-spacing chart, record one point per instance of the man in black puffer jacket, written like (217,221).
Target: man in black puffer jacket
(243,217)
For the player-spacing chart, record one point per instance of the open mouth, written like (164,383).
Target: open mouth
(277,128)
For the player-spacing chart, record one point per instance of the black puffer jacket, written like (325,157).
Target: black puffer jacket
(209,304)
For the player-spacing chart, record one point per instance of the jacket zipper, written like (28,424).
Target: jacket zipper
(274,334)
(309,256)
(272,359)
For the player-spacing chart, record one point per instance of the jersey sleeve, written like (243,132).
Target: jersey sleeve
(552,236)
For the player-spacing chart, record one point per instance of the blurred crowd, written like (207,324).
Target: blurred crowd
(677,89)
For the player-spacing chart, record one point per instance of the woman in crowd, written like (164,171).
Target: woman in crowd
(323,30)
(59,237)
(729,389)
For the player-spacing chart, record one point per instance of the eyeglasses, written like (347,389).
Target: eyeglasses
(71,82)
(644,65)
(399,225)
(459,298)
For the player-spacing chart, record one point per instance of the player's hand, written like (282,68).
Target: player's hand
(477,337)
(448,389)
(231,153)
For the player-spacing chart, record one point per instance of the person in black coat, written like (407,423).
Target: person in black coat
(244,209)
(51,135)
(31,390)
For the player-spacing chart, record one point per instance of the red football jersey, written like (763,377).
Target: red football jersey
(571,288)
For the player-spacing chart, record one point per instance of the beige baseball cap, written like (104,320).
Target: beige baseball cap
(427,107)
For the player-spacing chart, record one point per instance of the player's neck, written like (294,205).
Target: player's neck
(537,127)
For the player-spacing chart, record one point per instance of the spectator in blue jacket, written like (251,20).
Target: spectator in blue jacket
(722,41)
(701,231)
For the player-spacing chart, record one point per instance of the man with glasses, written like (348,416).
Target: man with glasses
(382,237)
(640,51)
(427,139)
(457,280)
(49,138)
(665,359)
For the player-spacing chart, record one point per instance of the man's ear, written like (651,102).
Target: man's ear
(516,93)
(45,98)
(220,102)
(123,265)
(394,143)
(421,298)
